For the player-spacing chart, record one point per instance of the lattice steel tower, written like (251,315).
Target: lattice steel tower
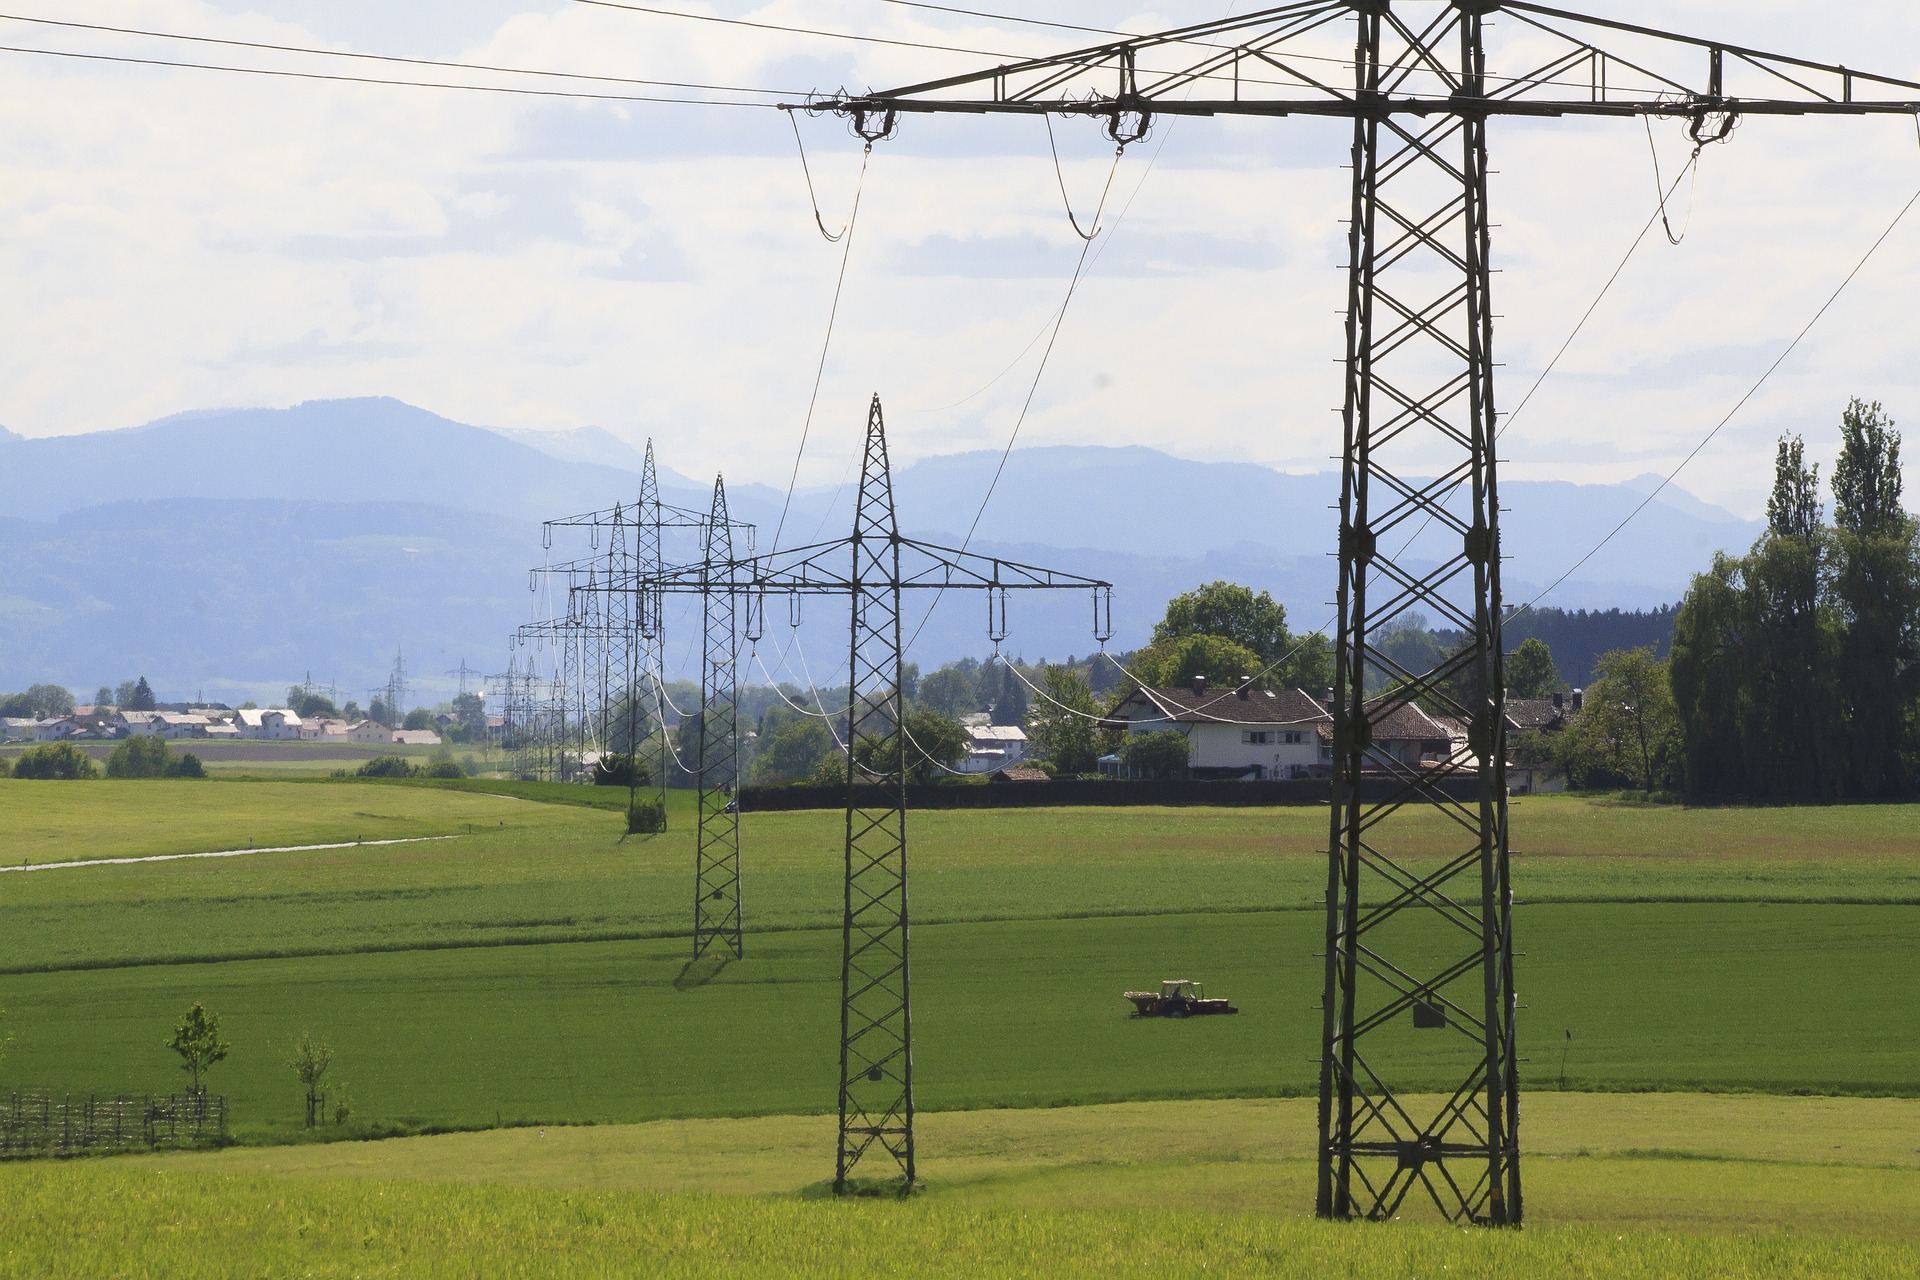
(716,905)
(876,1018)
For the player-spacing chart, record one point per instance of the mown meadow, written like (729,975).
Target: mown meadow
(530,970)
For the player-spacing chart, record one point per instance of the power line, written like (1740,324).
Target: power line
(797,31)
(1738,404)
(384,57)
(375,80)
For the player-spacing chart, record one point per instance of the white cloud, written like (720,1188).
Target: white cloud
(181,239)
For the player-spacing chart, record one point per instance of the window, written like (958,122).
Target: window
(1256,737)
(1293,739)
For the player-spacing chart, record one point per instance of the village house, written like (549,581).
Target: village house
(17,728)
(276,724)
(1236,731)
(324,729)
(993,746)
(370,733)
(424,738)
(136,723)
(178,724)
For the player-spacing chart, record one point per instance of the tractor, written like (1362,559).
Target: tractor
(1176,998)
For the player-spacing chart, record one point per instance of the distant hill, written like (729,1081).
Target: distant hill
(237,549)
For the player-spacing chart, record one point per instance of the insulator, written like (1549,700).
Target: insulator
(996,615)
(793,609)
(1103,615)
(546,537)
(756,623)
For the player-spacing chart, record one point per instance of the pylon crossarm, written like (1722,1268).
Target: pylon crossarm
(1270,56)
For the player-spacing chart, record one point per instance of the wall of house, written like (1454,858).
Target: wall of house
(1225,746)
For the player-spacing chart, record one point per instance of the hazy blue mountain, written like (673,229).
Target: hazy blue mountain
(234,550)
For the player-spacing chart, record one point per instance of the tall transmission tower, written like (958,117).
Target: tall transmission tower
(1417,944)
(870,569)
(463,673)
(716,882)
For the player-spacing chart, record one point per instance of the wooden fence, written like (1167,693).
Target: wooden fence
(65,1124)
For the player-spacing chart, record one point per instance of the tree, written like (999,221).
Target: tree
(1793,508)
(1060,723)
(1866,477)
(103,697)
(385,767)
(1629,731)
(1232,612)
(1158,755)
(939,743)
(198,1041)
(351,712)
(1709,675)
(948,691)
(140,698)
(123,695)
(1876,592)
(1530,670)
(471,709)
(793,752)
(418,718)
(1178,661)
(140,756)
(309,705)
(54,761)
(310,1059)
(41,702)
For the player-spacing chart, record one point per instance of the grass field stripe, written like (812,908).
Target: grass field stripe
(222,853)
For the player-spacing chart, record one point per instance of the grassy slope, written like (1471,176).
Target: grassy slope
(159,1225)
(1667,1162)
(1747,1187)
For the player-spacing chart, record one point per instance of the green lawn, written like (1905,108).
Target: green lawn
(1024,1013)
(545,872)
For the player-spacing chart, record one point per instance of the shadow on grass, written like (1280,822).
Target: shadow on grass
(695,974)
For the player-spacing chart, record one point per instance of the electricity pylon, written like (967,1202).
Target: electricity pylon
(1417,943)
(871,569)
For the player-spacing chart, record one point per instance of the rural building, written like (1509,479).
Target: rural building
(134,723)
(994,746)
(1020,773)
(323,729)
(428,738)
(224,729)
(1401,732)
(276,724)
(16,728)
(57,729)
(1234,731)
(371,733)
(176,724)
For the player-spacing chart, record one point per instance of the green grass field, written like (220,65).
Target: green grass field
(1652,1185)
(532,971)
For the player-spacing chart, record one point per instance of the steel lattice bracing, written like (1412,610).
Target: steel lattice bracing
(872,569)
(1419,973)
(876,1021)
(648,641)
(1419,962)
(716,906)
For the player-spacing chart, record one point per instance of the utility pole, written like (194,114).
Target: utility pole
(1414,941)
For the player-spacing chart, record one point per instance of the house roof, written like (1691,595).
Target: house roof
(1534,713)
(997,733)
(1021,773)
(1398,722)
(416,738)
(1219,706)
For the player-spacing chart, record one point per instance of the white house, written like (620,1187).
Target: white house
(323,729)
(415,737)
(56,729)
(1232,732)
(274,723)
(370,733)
(133,723)
(16,728)
(175,724)
(994,746)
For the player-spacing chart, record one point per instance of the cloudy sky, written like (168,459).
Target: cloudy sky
(181,239)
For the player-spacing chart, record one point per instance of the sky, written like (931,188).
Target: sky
(180,240)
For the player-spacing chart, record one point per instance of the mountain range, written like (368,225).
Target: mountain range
(231,552)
